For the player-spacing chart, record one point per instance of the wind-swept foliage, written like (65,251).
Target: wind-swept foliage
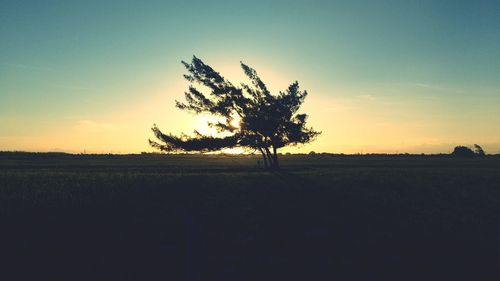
(267,122)
(478,150)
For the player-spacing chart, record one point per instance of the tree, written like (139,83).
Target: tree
(267,122)
(462,151)
(478,150)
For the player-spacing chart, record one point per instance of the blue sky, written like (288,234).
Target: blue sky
(383,76)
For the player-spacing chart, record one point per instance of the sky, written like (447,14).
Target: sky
(382,76)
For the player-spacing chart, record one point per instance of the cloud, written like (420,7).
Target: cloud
(64,85)
(89,126)
(26,67)
(439,88)
(422,85)
(68,87)
(367,97)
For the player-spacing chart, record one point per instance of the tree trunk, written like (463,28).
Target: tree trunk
(264,157)
(273,164)
(275,155)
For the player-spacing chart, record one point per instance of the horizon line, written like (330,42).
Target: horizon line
(311,153)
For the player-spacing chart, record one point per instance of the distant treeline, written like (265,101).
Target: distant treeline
(149,154)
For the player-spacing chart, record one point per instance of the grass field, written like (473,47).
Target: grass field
(195,217)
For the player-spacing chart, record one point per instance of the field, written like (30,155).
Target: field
(201,217)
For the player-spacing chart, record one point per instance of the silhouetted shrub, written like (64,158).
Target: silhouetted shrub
(462,151)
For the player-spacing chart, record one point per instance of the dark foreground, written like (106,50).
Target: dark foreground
(221,218)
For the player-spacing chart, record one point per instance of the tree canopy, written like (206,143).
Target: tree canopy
(267,121)
(464,151)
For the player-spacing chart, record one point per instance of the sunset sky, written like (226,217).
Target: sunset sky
(382,76)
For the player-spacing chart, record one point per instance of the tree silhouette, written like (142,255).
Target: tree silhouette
(462,151)
(267,122)
(478,150)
